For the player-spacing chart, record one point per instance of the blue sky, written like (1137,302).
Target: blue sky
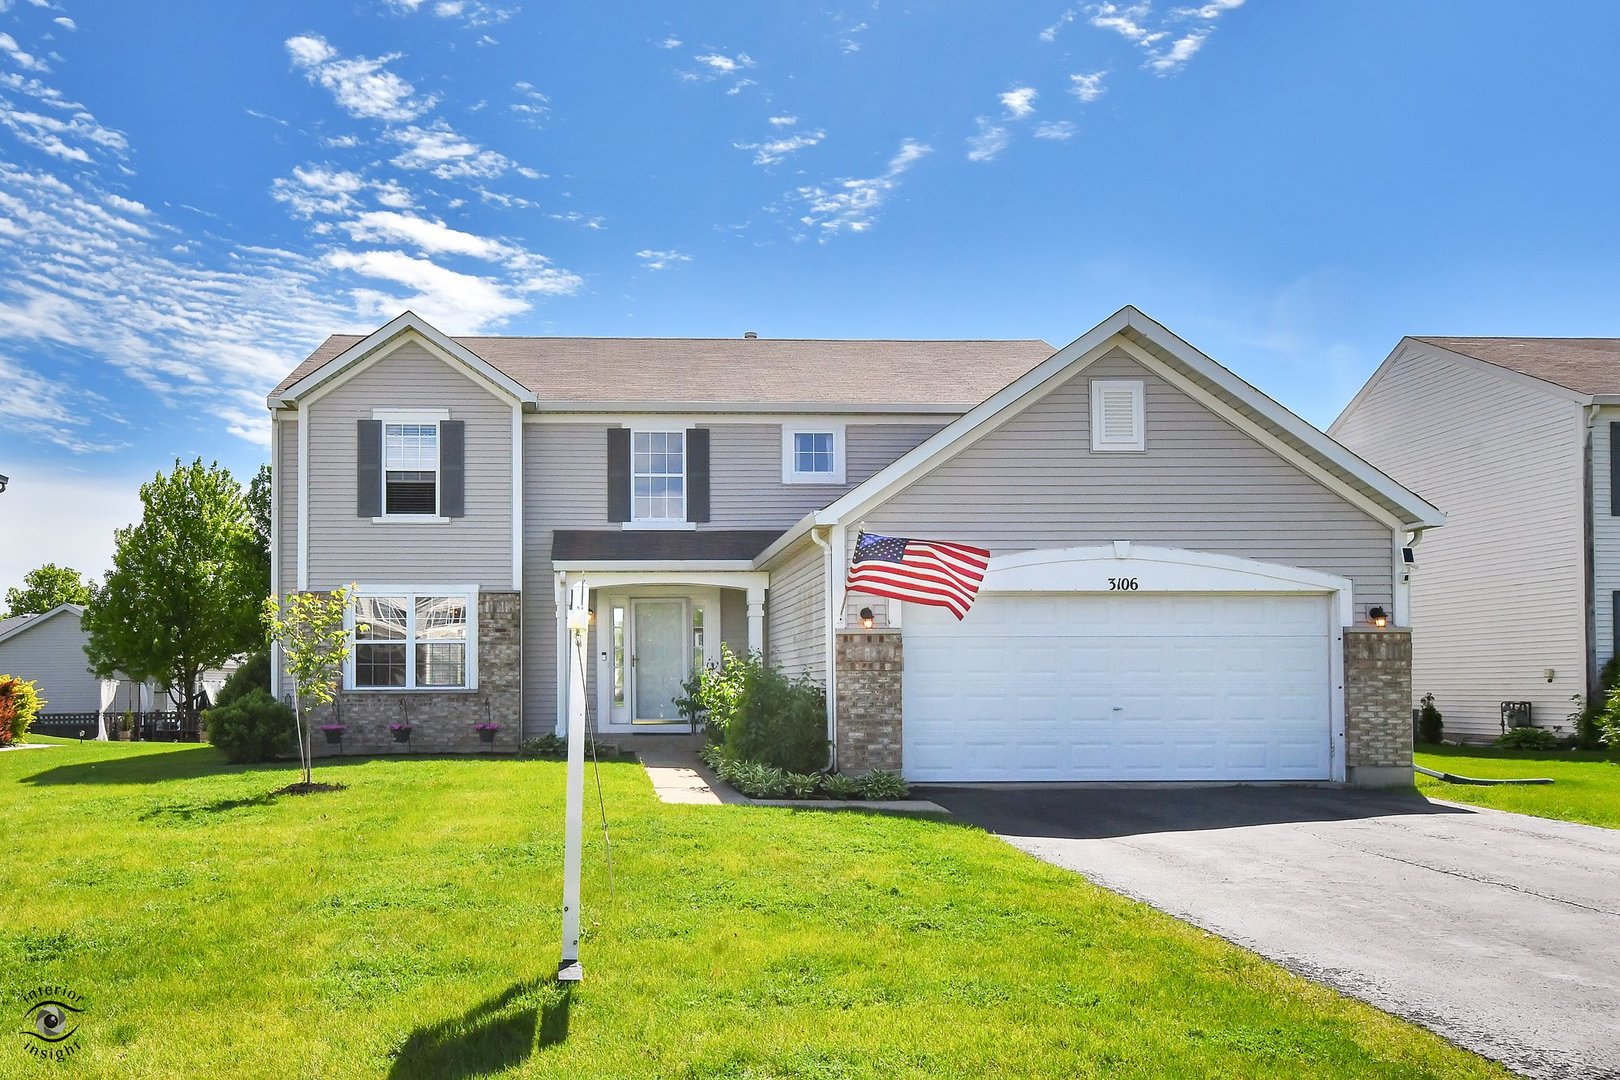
(192,195)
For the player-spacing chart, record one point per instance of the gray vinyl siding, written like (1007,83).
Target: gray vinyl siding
(284,472)
(565,487)
(1201,484)
(343,547)
(52,655)
(796,616)
(1498,593)
(1605,541)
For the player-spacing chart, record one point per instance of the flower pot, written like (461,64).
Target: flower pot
(485,736)
(402,734)
(334,737)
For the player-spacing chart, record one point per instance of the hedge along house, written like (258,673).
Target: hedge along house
(1184,581)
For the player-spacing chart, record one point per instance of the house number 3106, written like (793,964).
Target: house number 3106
(1122,584)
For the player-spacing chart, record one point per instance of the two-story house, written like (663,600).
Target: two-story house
(1518,441)
(1187,582)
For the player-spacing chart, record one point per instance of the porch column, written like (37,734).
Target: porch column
(756,618)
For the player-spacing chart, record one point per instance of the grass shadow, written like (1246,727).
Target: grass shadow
(187,811)
(493,1035)
(153,767)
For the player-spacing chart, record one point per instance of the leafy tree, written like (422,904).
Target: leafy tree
(253,674)
(254,553)
(47,587)
(311,628)
(178,599)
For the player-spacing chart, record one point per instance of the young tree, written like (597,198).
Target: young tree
(47,587)
(177,600)
(311,629)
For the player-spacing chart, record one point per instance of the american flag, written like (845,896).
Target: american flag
(922,571)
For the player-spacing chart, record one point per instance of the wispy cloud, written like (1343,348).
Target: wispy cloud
(774,150)
(725,65)
(989,142)
(661,260)
(65,23)
(25,60)
(472,13)
(362,86)
(534,107)
(1051,32)
(671,43)
(1182,49)
(1087,87)
(1019,101)
(1056,130)
(783,121)
(853,204)
(1168,48)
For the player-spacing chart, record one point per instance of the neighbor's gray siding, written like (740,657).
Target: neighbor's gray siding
(343,547)
(52,655)
(565,487)
(1498,593)
(796,617)
(1201,484)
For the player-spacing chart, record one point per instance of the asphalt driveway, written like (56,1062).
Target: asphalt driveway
(1500,932)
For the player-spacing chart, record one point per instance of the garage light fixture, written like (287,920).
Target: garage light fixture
(1379,616)
(867,621)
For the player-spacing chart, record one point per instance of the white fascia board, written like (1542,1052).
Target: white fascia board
(29,624)
(787,540)
(969,426)
(654,566)
(1420,513)
(338,368)
(559,411)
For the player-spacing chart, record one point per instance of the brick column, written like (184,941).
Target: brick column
(869,669)
(1378,707)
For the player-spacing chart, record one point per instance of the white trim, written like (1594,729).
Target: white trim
(303,501)
(1401,577)
(416,419)
(598,566)
(705,413)
(275,543)
(411,519)
(411,593)
(517,499)
(719,579)
(405,325)
(790,472)
(410,416)
(1057,369)
(679,522)
(29,624)
(656,524)
(830,644)
(1138,440)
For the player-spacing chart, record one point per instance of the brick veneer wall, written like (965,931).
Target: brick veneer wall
(1378,706)
(442,721)
(870,663)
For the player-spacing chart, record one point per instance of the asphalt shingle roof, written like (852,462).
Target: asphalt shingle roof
(1585,365)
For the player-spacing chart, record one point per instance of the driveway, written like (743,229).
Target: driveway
(1500,932)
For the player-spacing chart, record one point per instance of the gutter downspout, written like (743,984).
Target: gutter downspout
(831,644)
(1594,664)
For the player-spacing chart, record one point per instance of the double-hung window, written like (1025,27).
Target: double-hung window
(411,469)
(658,476)
(813,454)
(413,641)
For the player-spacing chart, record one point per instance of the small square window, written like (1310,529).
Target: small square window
(813,455)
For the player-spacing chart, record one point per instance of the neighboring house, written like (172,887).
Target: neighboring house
(48,650)
(1517,440)
(1182,577)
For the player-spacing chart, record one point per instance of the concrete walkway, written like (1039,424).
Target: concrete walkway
(1496,930)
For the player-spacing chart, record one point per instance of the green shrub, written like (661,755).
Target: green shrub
(756,713)
(710,693)
(1588,728)
(1608,721)
(253,674)
(839,786)
(803,785)
(1430,725)
(713,755)
(1526,738)
(882,784)
(255,727)
(19,704)
(546,746)
(755,780)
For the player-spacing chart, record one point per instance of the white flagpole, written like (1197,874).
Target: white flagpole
(568,968)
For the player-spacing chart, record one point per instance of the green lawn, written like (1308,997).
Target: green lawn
(1586,787)
(408,926)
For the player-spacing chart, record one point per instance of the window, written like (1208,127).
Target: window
(658,476)
(813,454)
(413,642)
(1117,421)
(618,654)
(411,469)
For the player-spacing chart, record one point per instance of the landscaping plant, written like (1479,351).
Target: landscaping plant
(1430,725)
(840,786)
(253,674)
(882,784)
(758,714)
(254,727)
(19,704)
(314,637)
(1526,738)
(711,694)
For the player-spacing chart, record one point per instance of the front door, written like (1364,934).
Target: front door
(660,659)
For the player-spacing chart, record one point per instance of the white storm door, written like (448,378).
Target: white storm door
(660,659)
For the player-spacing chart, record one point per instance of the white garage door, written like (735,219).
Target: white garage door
(1165,686)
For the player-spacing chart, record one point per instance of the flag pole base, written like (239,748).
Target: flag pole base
(569,971)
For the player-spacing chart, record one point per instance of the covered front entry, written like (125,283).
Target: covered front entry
(1094,664)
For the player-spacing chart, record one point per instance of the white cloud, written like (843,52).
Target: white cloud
(1210,11)
(1125,21)
(315,190)
(725,65)
(1058,130)
(1020,101)
(1164,57)
(53,412)
(774,150)
(783,121)
(661,260)
(671,43)
(26,61)
(990,141)
(535,105)
(457,303)
(65,23)
(361,86)
(70,140)
(470,12)
(852,204)
(1171,60)
(1051,32)
(1088,87)
(574,217)
(432,237)
(446,154)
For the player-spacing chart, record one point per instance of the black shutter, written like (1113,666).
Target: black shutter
(618,474)
(368,469)
(1614,470)
(453,468)
(697,474)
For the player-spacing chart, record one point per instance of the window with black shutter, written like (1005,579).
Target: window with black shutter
(411,469)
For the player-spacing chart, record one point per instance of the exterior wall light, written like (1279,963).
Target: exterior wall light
(4,480)
(1379,616)
(867,621)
